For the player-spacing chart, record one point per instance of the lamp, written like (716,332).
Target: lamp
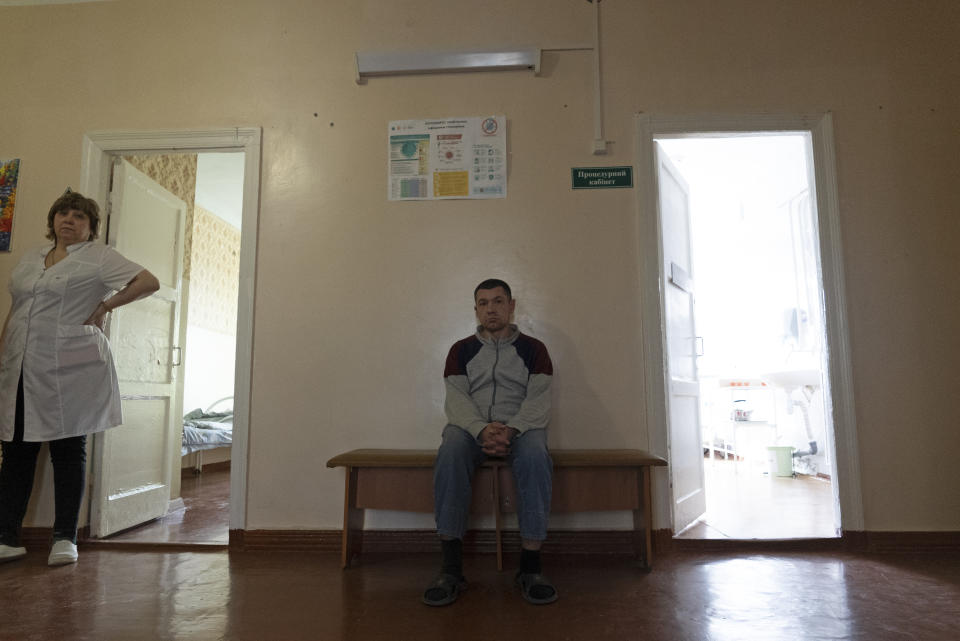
(420,62)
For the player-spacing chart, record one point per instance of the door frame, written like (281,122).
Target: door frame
(99,147)
(846,486)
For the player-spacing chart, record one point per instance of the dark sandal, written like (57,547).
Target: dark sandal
(536,588)
(444,589)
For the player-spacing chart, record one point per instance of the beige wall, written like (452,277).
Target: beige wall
(358,298)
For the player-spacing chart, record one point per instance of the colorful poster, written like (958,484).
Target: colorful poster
(9,174)
(447,158)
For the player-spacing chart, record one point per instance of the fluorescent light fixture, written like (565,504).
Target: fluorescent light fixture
(419,62)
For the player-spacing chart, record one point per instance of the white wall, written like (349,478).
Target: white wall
(208,369)
(358,299)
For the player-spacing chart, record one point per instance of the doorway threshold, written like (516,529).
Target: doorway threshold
(148,546)
(751,546)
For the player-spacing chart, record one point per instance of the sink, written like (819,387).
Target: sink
(791,379)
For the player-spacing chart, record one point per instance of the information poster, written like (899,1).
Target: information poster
(447,158)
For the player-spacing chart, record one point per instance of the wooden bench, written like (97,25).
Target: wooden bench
(583,481)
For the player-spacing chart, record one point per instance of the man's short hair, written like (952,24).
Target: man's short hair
(492,283)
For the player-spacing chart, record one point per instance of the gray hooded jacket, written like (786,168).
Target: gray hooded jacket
(506,380)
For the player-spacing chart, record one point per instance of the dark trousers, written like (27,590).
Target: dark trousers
(69,457)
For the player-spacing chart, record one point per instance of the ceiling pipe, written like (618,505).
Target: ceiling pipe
(368,64)
(599,143)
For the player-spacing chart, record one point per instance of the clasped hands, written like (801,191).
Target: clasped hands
(495,439)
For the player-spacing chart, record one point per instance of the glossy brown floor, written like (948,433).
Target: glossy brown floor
(131,595)
(204,519)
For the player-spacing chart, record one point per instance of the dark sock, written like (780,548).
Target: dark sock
(452,557)
(529,561)
(530,564)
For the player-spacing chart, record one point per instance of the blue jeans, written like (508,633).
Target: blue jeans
(458,458)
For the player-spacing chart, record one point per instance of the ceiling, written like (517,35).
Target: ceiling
(12,3)
(220,185)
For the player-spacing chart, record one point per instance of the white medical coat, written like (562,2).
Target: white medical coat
(69,379)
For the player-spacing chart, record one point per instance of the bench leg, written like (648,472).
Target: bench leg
(642,520)
(496,517)
(352,520)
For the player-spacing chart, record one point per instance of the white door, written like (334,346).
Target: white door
(133,462)
(683,393)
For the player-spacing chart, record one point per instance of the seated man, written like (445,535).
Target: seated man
(497,404)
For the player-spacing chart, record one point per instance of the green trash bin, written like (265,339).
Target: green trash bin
(781,460)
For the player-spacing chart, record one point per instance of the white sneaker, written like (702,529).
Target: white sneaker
(8,553)
(63,552)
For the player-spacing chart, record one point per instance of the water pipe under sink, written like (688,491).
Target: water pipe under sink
(807,381)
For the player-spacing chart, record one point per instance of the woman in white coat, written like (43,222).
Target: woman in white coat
(57,378)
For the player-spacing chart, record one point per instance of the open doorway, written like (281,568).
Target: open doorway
(107,155)
(673,347)
(212,186)
(759,335)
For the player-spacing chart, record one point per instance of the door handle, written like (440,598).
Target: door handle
(698,345)
(177,360)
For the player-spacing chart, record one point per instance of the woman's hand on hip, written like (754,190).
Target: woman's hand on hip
(99,317)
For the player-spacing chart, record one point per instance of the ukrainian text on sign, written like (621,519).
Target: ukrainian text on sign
(601,177)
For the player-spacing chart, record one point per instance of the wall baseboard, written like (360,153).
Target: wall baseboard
(42,537)
(850,541)
(567,542)
(589,542)
(905,542)
(187,472)
(421,541)
(305,540)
